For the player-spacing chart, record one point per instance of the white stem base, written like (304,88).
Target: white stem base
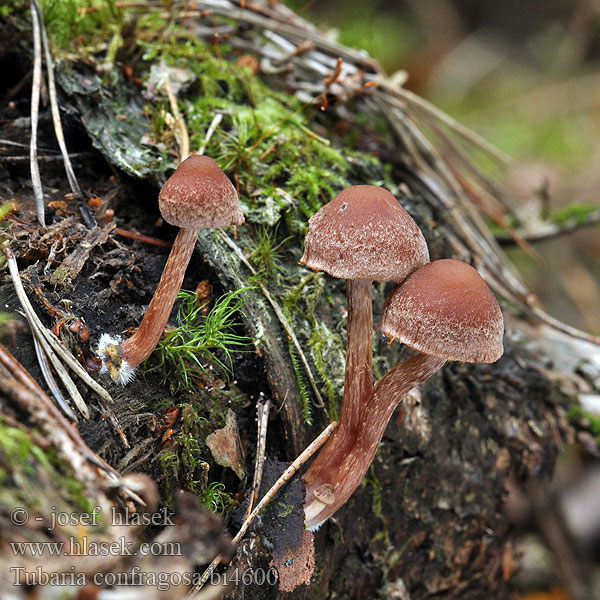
(109,351)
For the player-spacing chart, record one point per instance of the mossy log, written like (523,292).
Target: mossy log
(292,118)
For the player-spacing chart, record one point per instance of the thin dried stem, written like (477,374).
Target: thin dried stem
(282,319)
(181,132)
(210,131)
(58,130)
(56,120)
(36,85)
(54,342)
(140,237)
(50,381)
(285,477)
(452,124)
(263,419)
(64,376)
(547,230)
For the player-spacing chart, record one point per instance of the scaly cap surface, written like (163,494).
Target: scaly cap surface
(199,195)
(364,233)
(446,309)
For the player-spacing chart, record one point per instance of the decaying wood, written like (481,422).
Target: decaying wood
(263,326)
(71,266)
(428,521)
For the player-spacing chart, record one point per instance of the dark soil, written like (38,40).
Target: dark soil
(119,277)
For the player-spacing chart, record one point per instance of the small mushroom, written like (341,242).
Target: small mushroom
(198,195)
(444,311)
(362,235)
(323,496)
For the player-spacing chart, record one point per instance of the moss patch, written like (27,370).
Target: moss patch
(36,478)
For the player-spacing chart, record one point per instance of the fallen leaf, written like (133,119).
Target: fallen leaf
(226,446)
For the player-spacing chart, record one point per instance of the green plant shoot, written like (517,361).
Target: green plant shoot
(187,350)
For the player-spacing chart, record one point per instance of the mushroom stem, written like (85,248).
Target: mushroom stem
(358,379)
(358,385)
(345,458)
(140,345)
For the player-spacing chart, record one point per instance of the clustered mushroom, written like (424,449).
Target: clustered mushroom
(443,310)
(362,235)
(198,195)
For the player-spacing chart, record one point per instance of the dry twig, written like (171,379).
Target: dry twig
(546,230)
(181,132)
(46,351)
(262,421)
(49,378)
(36,85)
(58,130)
(210,131)
(52,340)
(285,477)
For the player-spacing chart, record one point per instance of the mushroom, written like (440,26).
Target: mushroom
(444,311)
(198,195)
(323,496)
(362,235)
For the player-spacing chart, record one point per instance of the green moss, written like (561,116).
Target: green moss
(574,213)
(592,421)
(59,276)
(183,462)
(215,498)
(301,305)
(36,478)
(184,353)
(6,10)
(373,484)
(302,383)
(84,26)
(265,256)
(286,510)
(7,326)
(264,137)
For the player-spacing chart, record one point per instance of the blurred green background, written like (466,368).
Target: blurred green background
(525,76)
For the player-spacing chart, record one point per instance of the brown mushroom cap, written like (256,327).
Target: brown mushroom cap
(364,233)
(446,309)
(199,195)
(325,493)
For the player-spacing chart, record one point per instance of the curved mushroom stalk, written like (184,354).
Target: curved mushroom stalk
(345,458)
(121,359)
(443,310)
(140,345)
(196,196)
